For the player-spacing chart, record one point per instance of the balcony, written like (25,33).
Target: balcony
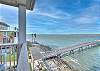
(9,60)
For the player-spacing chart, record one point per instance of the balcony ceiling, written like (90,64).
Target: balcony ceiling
(29,3)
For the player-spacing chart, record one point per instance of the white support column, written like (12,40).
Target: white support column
(22,24)
(22,27)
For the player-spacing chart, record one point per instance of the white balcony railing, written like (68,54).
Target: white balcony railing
(8,56)
(23,64)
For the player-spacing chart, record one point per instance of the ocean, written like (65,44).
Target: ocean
(88,59)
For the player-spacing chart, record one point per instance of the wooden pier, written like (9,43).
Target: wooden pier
(70,50)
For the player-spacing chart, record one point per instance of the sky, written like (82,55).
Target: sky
(57,17)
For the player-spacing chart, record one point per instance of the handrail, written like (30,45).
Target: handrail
(7,44)
(8,30)
(4,66)
(23,64)
(10,49)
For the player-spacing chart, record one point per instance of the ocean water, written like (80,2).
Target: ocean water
(89,59)
(63,40)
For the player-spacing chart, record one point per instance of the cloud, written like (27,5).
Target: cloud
(88,16)
(2,19)
(52,15)
(97,0)
(49,15)
(58,14)
(86,20)
(68,16)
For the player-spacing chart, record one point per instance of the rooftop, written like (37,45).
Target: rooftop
(4,24)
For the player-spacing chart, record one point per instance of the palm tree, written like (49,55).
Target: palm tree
(11,36)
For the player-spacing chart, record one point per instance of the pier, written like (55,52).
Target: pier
(53,56)
(70,50)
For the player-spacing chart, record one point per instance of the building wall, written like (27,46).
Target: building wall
(6,37)
(2,34)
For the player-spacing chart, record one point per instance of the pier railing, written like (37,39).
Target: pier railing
(70,50)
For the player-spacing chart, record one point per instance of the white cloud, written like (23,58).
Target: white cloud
(49,15)
(86,20)
(97,0)
(88,16)
(49,11)
(2,19)
(56,14)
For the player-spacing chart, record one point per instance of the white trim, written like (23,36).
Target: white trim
(8,30)
(7,44)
